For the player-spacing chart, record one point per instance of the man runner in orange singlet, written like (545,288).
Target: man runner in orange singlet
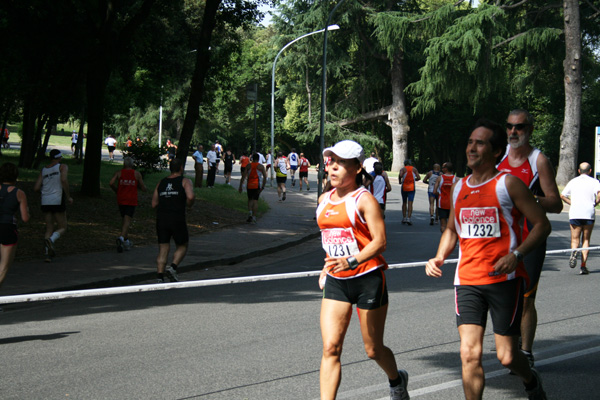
(486,209)
(407,177)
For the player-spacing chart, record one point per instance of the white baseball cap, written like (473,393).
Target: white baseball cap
(347,149)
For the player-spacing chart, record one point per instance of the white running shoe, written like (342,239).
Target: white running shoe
(400,392)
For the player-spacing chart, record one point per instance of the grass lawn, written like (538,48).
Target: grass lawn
(95,222)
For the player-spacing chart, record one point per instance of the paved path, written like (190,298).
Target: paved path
(285,224)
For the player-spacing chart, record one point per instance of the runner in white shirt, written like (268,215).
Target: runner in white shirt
(583,194)
(293,161)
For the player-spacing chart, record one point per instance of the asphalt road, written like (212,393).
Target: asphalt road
(262,340)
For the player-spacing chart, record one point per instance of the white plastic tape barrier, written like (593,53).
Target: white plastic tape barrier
(71,294)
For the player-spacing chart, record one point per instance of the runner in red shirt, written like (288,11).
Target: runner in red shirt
(126,183)
(303,173)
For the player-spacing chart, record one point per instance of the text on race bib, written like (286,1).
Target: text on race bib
(479,223)
(339,242)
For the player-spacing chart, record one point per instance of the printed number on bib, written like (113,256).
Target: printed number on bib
(479,223)
(339,242)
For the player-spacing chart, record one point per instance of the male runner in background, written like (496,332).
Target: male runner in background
(582,194)
(407,177)
(534,169)
(293,161)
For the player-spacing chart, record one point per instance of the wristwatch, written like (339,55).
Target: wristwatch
(352,262)
(519,255)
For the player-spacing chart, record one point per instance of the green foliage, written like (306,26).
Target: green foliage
(460,65)
(147,157)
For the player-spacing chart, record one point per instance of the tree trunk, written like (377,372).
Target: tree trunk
(96,90)
(200,72)
(41,152)
(398,116)
(569,139)
(27,140)
(308,96)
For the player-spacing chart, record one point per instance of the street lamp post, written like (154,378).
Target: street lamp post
(160,118)
(323,99)
(329,28)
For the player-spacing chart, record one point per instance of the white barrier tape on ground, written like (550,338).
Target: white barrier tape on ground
(72,294)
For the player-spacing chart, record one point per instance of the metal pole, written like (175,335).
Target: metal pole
(255,91)
(329,27)
(323,98)
(160,119)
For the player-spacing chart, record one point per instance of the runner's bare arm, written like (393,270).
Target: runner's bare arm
(446,246)
(551,201)
(535,215)
(189,192)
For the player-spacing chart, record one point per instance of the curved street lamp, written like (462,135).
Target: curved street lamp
(329,28)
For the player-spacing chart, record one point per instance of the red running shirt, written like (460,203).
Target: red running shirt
(127,190)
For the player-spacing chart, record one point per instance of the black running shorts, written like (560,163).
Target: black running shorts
(368,291)
(8,234)
(504,300)
(126,210)
(169,228)
(253,194)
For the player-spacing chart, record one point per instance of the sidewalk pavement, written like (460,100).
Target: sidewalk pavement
(286,224)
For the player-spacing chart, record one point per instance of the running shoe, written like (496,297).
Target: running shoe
(400,392)
(584,271)
(119,245)
(403,220)
(307,188)
(536,393)
(573,259)
(172,274)
(127,245)
(283,197)
(50,246)
(408,221)
(160,280)
(249,219)
(253,222)
(431,221)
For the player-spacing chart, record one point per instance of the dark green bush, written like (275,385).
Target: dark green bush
(147,157)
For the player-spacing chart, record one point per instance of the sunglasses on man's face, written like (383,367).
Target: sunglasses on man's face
(518,127)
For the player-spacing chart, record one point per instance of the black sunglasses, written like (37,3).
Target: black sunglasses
(518,127)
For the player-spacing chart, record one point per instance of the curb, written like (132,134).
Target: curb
(132,279)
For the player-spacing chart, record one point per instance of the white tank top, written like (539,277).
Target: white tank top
(51,186)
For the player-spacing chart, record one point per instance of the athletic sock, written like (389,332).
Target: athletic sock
(396,382)
(54,237)
(583,264)
(174,266)
(160,276)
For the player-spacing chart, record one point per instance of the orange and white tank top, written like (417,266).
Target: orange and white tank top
(408,183)
(446,182)
(487,224)
(344,232)
(253,181)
